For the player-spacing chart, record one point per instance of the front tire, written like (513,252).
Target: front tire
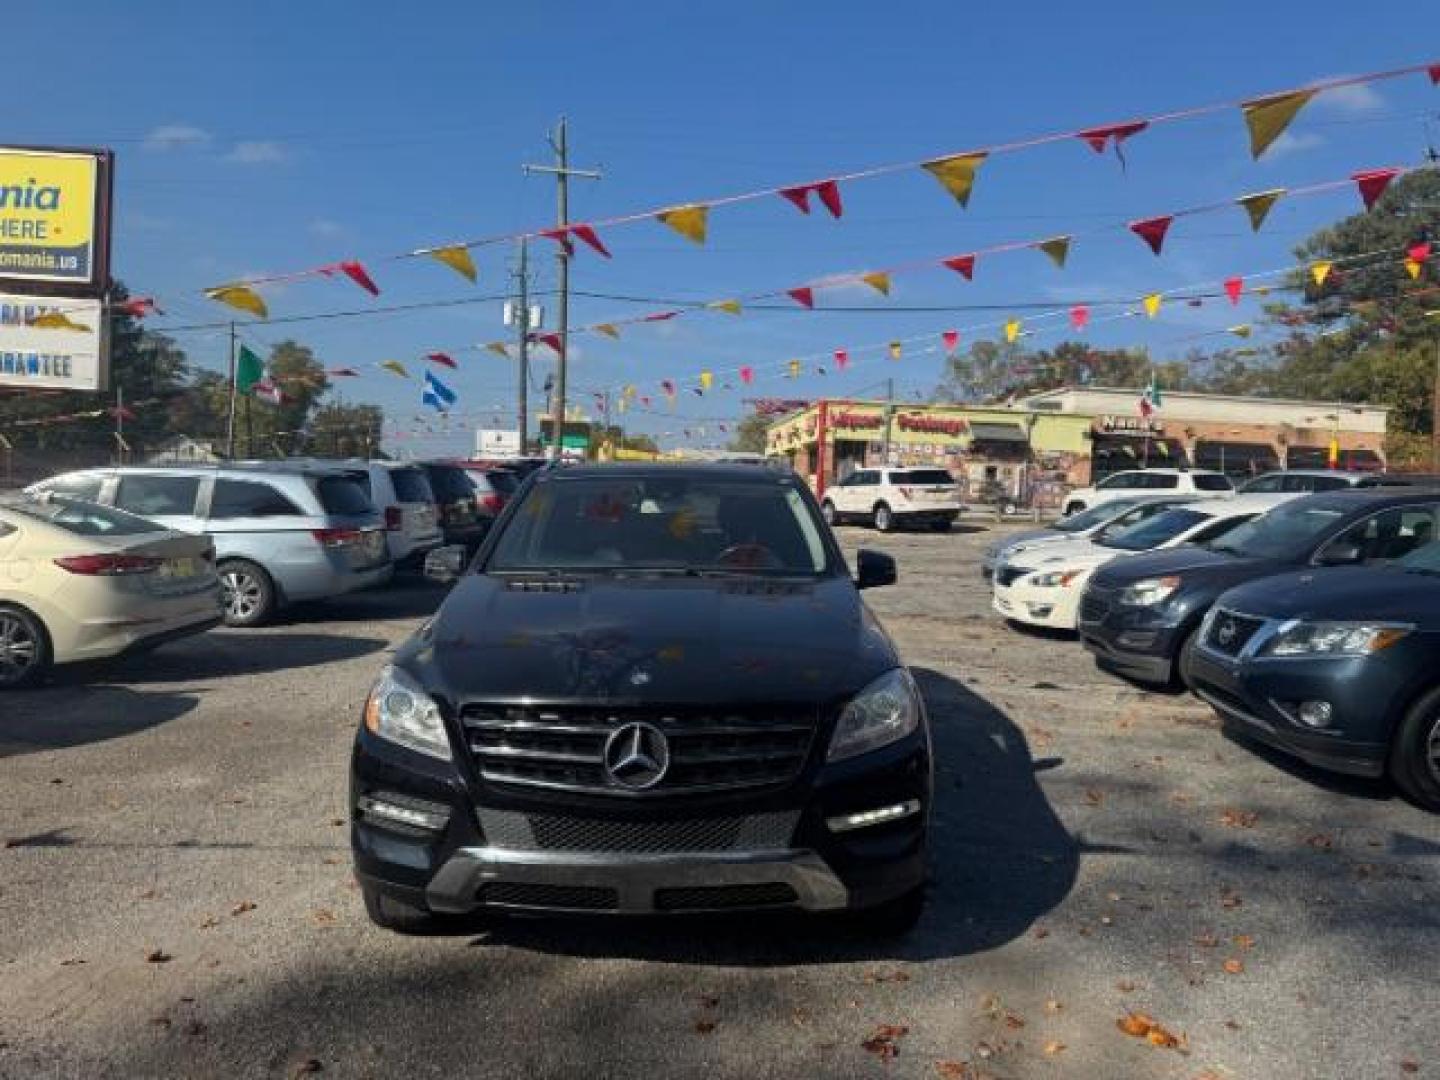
(247,593)
(25,654)
(1414,764)
(884,518)
(1180,678)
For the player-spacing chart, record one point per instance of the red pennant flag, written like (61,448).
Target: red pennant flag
(964,265)
(1434,72)
(660,316)
(1372,184)
(590,237)
(804,296)
(1097,137)
(644,401)
(828,191)
(1418,252)
(668,386)
(1233,287)
(951,339)
(842,358)
(560,237)
(342,373)
(140,306)
(1079,316)
(440,358)
(356,273)
(799,196)
(1152,231)
(553,340)
(747,375)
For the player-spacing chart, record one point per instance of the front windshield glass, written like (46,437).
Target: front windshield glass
(1153,532)
(660,523)
(1423,560)
(1096,515)
(1283,533)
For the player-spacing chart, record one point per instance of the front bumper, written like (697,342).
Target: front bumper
(1050,608)
(1140,643)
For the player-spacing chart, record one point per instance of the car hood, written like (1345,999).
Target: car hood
(1342,592)
(1024,540)
(1069,552)
(638,641)
(1184,560)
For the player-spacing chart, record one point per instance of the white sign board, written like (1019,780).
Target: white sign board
(497,443)
(67,351)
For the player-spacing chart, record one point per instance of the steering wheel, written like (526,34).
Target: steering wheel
(748,557)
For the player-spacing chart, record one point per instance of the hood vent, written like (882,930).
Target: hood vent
(543,585)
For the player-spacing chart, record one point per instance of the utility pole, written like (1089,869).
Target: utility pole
(562,172)
(230,423)
(522,322)
(889,417)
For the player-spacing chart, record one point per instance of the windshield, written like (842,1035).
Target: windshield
(450,483)
(411,486)
(659,523)
(1153,532)
(83,518)
(1096,515)
(1423,560)
(1283,533)
(342,495)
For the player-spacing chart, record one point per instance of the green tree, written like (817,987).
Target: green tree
(339,429)
(750,434)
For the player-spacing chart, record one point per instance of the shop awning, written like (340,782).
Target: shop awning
(997,432)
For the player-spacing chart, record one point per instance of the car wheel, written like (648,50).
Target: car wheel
(1415,753)
(24,648)
(827,511)
(894,918)
(247,595)
(1180,676)
(390,914)
(884,519)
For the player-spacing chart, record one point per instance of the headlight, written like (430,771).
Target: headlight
(1055,579)
(886,710)
(399,710)
(1149,592)
(1333,639)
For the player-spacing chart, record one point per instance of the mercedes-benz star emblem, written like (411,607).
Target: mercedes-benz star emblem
(637,756)
(1225,632)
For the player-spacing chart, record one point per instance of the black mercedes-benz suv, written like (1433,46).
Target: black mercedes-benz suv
(655,690)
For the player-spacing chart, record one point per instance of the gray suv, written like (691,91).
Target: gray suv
(282,532)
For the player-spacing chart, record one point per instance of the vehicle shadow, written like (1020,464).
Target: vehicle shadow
(403,598)
(1357,787)
(1000,859)
(221,654)
(41,719)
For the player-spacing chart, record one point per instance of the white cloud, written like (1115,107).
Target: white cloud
(324,227)
(257,152)
(1289,143)
(1359,99)
(171,136)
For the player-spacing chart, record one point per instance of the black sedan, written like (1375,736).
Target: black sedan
(1340,668)
(1138,614)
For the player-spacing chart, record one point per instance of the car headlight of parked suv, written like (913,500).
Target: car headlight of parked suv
(1150,591)
(885,711)
(400,711)
(1055,579)
(1337,639)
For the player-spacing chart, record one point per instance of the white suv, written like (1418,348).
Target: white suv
(890,497)
(1197,482)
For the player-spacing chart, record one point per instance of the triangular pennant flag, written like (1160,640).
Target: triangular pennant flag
(1413,268)
(878,280)
(1415,258)
(964,265)
(1012,330)
(1097,137)
(798,196)
(608,329)
(1241,331)
(794,369)
(356,273)
(561,237)
(629,392)
(659,316)
(436,394)
(706,380)
(689,221)
(828,191)
(1057,247)
(140,306)
(342,373)
(552,340)
(443,359)
(1233,288)
(894,350)
(1079,316)
(1268,117)
(669,388)
(1434,72)
(730,307)
(457,257)
(1320,270)
(240,296)
(1372,184)
(951,338)
(591,239)
(498,348)
(842,359)
(804,296)
(1152,304)
(395,367)
(747,375)
(1258,205)
(1152,231)
(957,174)
(56,320)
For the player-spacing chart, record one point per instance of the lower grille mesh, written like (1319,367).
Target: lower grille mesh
(555,832)
(575,897)
(720,897)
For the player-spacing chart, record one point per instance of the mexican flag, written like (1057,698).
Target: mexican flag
(1150,400)
(249,370)
(267,390)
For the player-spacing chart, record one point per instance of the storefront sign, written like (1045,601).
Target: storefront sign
(933,425)
(71,355)
(1128,425)
(54,216)
(855,421)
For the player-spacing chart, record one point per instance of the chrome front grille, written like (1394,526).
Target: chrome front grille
(1229,632)
(559,832)
(709,749)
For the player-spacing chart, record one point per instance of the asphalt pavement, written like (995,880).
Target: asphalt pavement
(176,899)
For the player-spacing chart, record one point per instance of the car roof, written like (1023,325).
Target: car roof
(1238,505)
(657,471)
(285,466)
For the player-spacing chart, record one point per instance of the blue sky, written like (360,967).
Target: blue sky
(277,136)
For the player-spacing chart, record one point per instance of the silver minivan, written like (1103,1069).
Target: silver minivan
(282,533)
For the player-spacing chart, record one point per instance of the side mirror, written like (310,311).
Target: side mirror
(874,569)
(1340,553)
(445,564)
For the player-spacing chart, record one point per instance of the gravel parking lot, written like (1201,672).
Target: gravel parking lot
(175,894)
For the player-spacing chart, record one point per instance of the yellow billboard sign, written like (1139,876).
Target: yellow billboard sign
(54,216)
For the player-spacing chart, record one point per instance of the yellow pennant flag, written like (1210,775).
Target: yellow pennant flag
(395,367)
(730,307)
(57,320)
(240,296)
(498,348)
(1268,117)
(1258,205)
(1012,330)
(894,350)
(1058,248)
(689,221)
(794,369)
(878,280)
(1241,331)
(957,174)
(1261,290)
(608,329)
(457,258)
(706,380)
(629,392)
(1413,267)
(1152,304)
(1321,270)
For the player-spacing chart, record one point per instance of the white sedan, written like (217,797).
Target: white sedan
(81,582)
(1042,586)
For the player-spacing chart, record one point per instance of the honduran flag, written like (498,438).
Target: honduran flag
(436,394)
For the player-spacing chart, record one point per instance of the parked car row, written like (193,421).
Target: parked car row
(1310,623)
(112,557)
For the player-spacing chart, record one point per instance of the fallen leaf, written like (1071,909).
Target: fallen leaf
(158,956)
(708,1001)
(1136,1025)
(1094,796)
(1053,1006)
(149,894)
(337,821)
(884,1043)
(1125,986)
(990,1006)
(1409,1066)
(800,1017)
(307,1067)
(1158,1036)
(1229,898)
(1238,819)
(1234,967)
(955,1070)
(160,1021)
(1013,1022)
(1244,941)
(242,907)
(1320,842)
(1207,940)
(1233,1025)
(209,922)
(704,1027)
(887,977)
(1054,1047)
(1041,933)
(323,916)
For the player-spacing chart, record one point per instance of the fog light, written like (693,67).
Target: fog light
(388,808)
(1040,611)
(1136,639)
(1315,714)
(877,816)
